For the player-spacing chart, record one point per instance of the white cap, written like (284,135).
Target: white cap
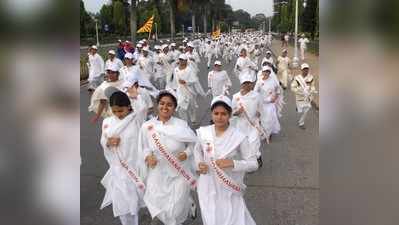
(247,77)
(112,52)
(130,81)
(221,98)
(304,65)
(164,46)
(119,40)
(146,48)
(139,45)
(173,44)
(269,52)
(94,47)
(127,41)
(144,39)
(112,67)
(217,62)
(129,56)
(141,42)
(266,68)
(185,40)
(190,44)
(183,57)
(157,47)
(285,50)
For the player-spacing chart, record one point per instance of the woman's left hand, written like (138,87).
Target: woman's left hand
(225,163)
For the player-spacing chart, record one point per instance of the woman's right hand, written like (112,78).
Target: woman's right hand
(203,168)
(151,160)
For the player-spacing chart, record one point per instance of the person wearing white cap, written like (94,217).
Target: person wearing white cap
(163,69)
(173,55)
(119,139)
(96,68)
(193,57)
(223,155)
(244,65)
(269,40)
(283,64)
(129,67)
(146,64)
(139,97)
(268,58)
(303,41)
(184,81)
(98,101)
(218,80)
(165,152)
(227,52)
(209,51)
(304,88)
(246,107)
(270,92)
(113,60)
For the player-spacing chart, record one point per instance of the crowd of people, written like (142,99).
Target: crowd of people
(148,97)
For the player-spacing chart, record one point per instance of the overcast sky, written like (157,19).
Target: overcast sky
(251,6)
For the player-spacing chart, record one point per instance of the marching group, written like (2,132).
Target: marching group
(149,99)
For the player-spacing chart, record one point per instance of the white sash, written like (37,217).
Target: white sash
(131,172)
(260,129)
(170,158)
(208,147)
(302,83)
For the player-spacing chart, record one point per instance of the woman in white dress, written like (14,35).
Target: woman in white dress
(222,157)
(124,187)
(269,89)
(165,145)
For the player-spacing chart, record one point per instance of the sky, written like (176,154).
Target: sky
(251,6)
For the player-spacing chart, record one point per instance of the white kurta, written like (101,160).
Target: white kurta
(268,89)
(121,191)
(115,61)
(96,66)
(146,65)
(167,193)
(252,104)
(219,82)
(99,95)
(219,205)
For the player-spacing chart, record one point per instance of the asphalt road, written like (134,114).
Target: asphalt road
(285,191)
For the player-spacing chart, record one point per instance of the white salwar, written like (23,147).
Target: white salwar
(167,193)
(99,95)
(252,105)
(268,89)
(121,190)
(220,205)
(283,70)
(219,82)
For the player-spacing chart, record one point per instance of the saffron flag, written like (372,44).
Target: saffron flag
(216,33)
(147,27)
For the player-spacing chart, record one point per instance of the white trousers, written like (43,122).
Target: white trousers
(303,114)
(129,219)
(302,53)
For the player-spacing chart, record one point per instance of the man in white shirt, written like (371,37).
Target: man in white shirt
(113,60)
(303,41)
(96,68)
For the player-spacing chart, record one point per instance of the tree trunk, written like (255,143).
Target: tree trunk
(172,18)
(193,23)
(204,18)
(133,20)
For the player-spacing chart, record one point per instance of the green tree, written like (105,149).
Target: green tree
(119,17)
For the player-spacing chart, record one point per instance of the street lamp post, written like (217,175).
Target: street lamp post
(98,43)
(183,30)
(295,60)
